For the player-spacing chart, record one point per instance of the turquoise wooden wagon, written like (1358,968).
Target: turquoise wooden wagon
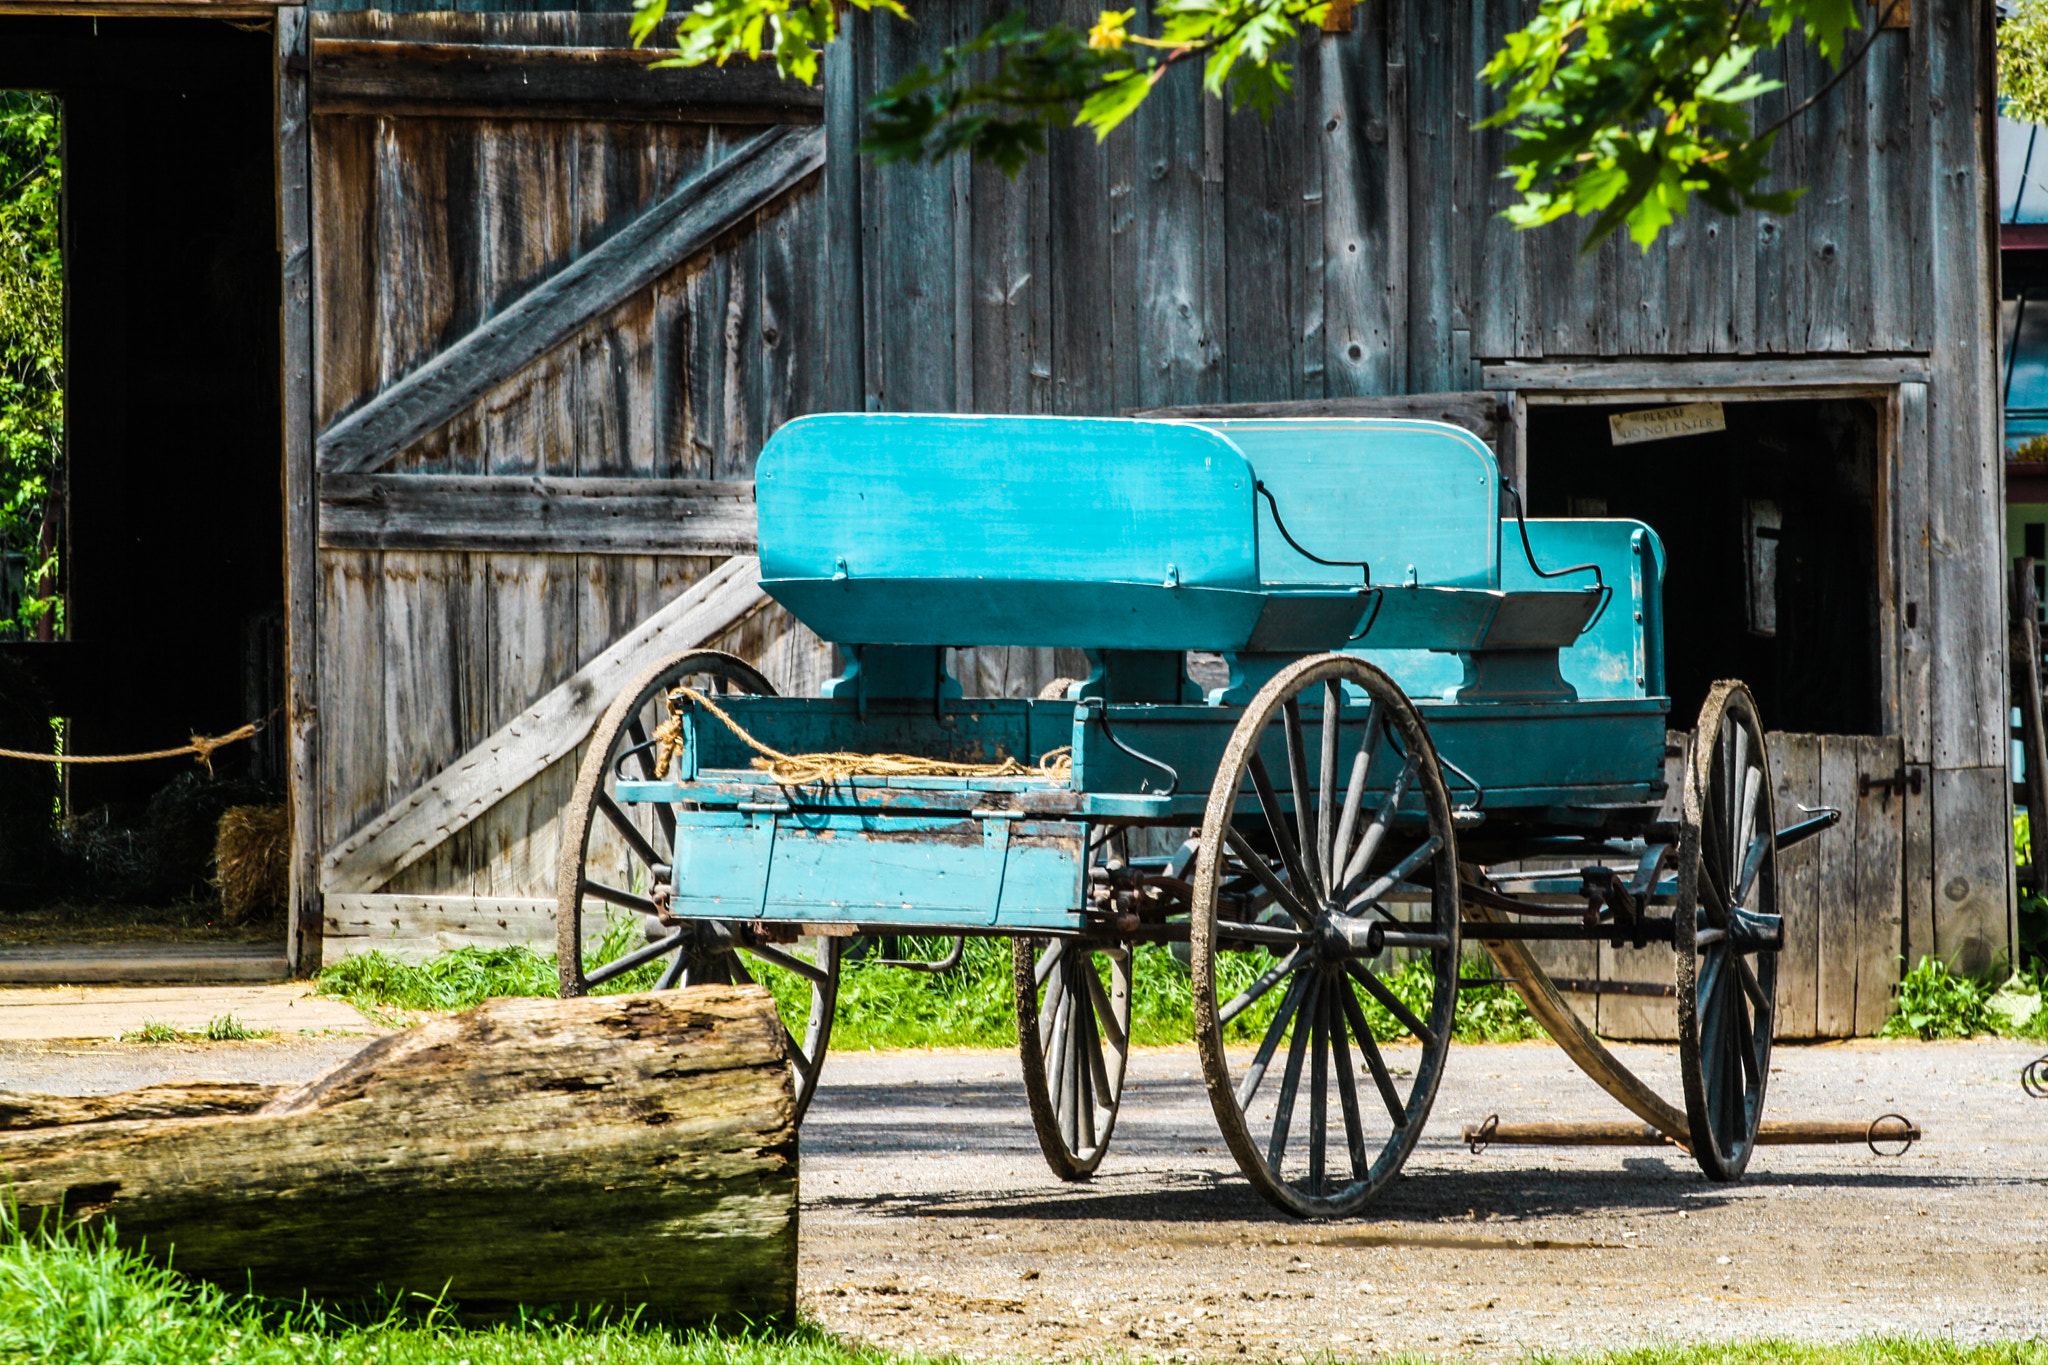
(1428,710)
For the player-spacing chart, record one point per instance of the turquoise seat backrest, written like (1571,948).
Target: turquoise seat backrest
(1620,656)
(1622,652)
(1407,497)
(1027,499)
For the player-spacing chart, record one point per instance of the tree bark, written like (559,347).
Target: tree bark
(630,1151)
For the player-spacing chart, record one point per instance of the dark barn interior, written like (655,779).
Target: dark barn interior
(1791,608)
(173,568)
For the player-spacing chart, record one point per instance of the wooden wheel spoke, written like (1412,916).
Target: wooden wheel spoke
(1273,935)
(1105,1017)
(1332,734)
(619,966)
(1297,782)
(817,976)
(1086,1060)
(1752,863)
(1347,1088)
(672,974)
(1255,863)
(663,816)
(624,899)
(1745,1042)
(630,832)
(1290,1079)
(1369,1048)
(1396,874)
(1319,1094)
(1283,841)
(1751,987)
(1053,1020)
(1263,1059)
(1743,833)
(1267,979)
(1354,790)
(1049,960)
(1382,820)
(1378,990)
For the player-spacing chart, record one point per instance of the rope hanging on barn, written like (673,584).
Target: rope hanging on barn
(201,748)
(798,770)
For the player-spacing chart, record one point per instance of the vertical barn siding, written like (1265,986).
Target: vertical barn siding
(1353,246)
(1350,246)
(428,226)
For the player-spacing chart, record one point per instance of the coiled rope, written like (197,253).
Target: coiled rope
(798,770)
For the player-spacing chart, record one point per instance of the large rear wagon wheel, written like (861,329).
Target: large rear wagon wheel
(1726,933)
(1316,898)
(614,873)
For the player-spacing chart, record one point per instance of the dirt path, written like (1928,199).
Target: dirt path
(930,1219)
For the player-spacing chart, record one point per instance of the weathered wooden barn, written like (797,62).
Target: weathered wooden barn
(541,306)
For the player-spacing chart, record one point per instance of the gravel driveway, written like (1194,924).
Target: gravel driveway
(931,1221)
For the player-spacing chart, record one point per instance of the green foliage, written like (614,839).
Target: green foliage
(1935,1003)
(2023,62)
(31,364)
(1618,109)
(154,1031)
(1624,109)
(889,1007)
(996,95)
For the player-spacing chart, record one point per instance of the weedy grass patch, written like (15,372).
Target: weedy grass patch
(76,1297)
(153,1031)
(880,1007)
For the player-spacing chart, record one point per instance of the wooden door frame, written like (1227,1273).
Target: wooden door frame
(301,496)
(1892,383)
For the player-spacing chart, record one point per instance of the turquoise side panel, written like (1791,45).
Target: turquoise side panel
(1396,493)
(1036,499)
(874,868)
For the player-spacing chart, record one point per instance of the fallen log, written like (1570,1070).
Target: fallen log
(630,1151)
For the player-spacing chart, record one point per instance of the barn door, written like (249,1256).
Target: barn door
(559,302)
(1841,892)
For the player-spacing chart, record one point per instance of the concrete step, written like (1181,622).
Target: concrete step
(73,964)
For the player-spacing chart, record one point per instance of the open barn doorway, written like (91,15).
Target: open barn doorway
(1774,519)
(171,580)
(1771,528)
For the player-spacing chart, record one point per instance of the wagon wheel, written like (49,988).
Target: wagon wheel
(1074,1040)
(615,856)
(1726,932)
(1316,909)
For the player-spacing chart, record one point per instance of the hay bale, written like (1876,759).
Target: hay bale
(252,861)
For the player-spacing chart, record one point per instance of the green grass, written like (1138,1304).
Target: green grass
(225,1028)
(886,1007)
(222,1028)
(77,1299)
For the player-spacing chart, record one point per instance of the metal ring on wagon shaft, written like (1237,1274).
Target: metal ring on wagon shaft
(1872,1137)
